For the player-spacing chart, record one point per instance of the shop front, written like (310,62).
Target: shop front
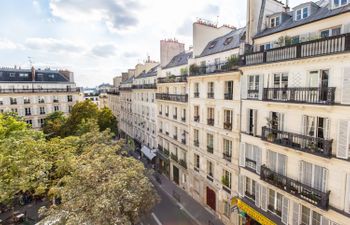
(250,216)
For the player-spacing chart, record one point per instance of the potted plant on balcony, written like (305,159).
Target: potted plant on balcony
(194,69)
(232,62)
(270,136)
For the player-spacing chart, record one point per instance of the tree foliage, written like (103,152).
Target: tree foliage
(89,173)
(106,120)
(54,123)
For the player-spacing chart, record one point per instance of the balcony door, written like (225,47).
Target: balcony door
(313,176)
(319,79)
(280,85)
(317,127)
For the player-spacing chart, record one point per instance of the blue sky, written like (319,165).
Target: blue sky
(98,39)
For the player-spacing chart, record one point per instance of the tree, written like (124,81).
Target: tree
(106,119)
(54,123)
(106,188)
(81,111)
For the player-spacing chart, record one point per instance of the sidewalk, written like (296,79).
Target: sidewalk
(190,206)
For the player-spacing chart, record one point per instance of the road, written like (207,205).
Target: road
(167,212)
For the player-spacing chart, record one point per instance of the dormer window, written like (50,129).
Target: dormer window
(212,44)
(228,40)
(340,3)
(275,21)
(301,13)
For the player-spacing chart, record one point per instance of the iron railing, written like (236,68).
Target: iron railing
(173,79)
(172,97)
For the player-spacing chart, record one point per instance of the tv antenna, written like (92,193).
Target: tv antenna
(30,61)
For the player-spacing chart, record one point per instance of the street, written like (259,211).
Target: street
(167,212)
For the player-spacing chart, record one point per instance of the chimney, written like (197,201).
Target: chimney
(33,73)
(168,49)
(287,6)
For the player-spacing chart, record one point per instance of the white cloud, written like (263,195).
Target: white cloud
(104,50)
(53,45)
(6,44)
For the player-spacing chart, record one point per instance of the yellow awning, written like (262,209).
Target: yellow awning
(254,214)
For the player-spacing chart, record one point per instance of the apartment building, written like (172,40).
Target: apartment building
(144,108)
(34,93)
(172,102)
(113,95)
(294,154)
(214,123)
(126,120)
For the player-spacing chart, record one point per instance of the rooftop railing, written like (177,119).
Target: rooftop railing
(172,97)
(173,79)
(39,90)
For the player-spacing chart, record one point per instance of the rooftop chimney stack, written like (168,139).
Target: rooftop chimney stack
(168,49)
(33,73)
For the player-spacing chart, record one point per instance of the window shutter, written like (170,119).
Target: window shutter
(346,86)
(242,155)
(241,185)
(324,221)
(257,195)
(247,120)
(343,139)
(347,194)
(296,211)
(255,121)
(258,158)
(261,86)
(281,121)
(244,88)
(263,198)
(285,210)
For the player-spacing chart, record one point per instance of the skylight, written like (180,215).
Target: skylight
(228,40)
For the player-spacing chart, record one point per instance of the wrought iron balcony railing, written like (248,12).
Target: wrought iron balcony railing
(196,70)
(210,94)
(313,145)
(183,163)
(196,143)
(296,188)
(210,149)
(227,125)
(196,94)
(227,156)
(323,46)
(173,79)
(172,97)
(174,157)
(228,96)
(196,118)
(38,90)
(210,122)
(144,86)
(309,95)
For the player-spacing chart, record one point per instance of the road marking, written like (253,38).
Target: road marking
(156,219)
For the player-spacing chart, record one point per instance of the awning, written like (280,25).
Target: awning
(253,213)
(150,154)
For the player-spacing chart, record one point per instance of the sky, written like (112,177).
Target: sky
(99,39)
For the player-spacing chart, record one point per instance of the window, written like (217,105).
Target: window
(252,157)
(330,32)
(70,108)
(250,188)
(227,148)
(228,90)
(210,168)
(12,74)
(27,111)
(41,99)
(253,86)
(210,143)
(317,127)
(313,175)
(211,90)
(41,122)
(275,202)
(69,98)
(196,136)
(196,161)
(252,122)
(228,40)
(14,110)
(29,122)
(302,13)
(26,100)
(56,108)
(227,209)
(226,178)
(228,116)
(55,99)
(339,3)
(210,113)
(295,40)
(276,162)
(212,44)
(13,101)
(309,217)
(42,110)
(275,21)
(196,90)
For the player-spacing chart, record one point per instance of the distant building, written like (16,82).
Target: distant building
(34,93)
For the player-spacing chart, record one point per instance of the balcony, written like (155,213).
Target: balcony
(227,125)
(196,70)
(196,94)
(210,177)
(166,114)
(302,191)
(167,133)
(210,122)
(228,96)
(210,149)
(175,137)
(39,90)
(173,79)
(183,163)
(166,151)
(172,97)
(211,95)
(227,156)
(174,157)
(183,119)
(175,117)
(183,141)
(250,164)
(323,46)
(313,145)
(113,92)
(26,101)
(308,95)
(196,119)
(144,86)
(196,143)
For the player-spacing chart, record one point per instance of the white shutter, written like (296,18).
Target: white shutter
(345,99)
(261,86)
(258,158)
(324,221)
(281,121)
(247,119)
(257,194)
(241,185)
(244,88)
(263,198)
(255,121)
(347,194)
(296,212)
(242,155)
(285,210)
(343,139)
